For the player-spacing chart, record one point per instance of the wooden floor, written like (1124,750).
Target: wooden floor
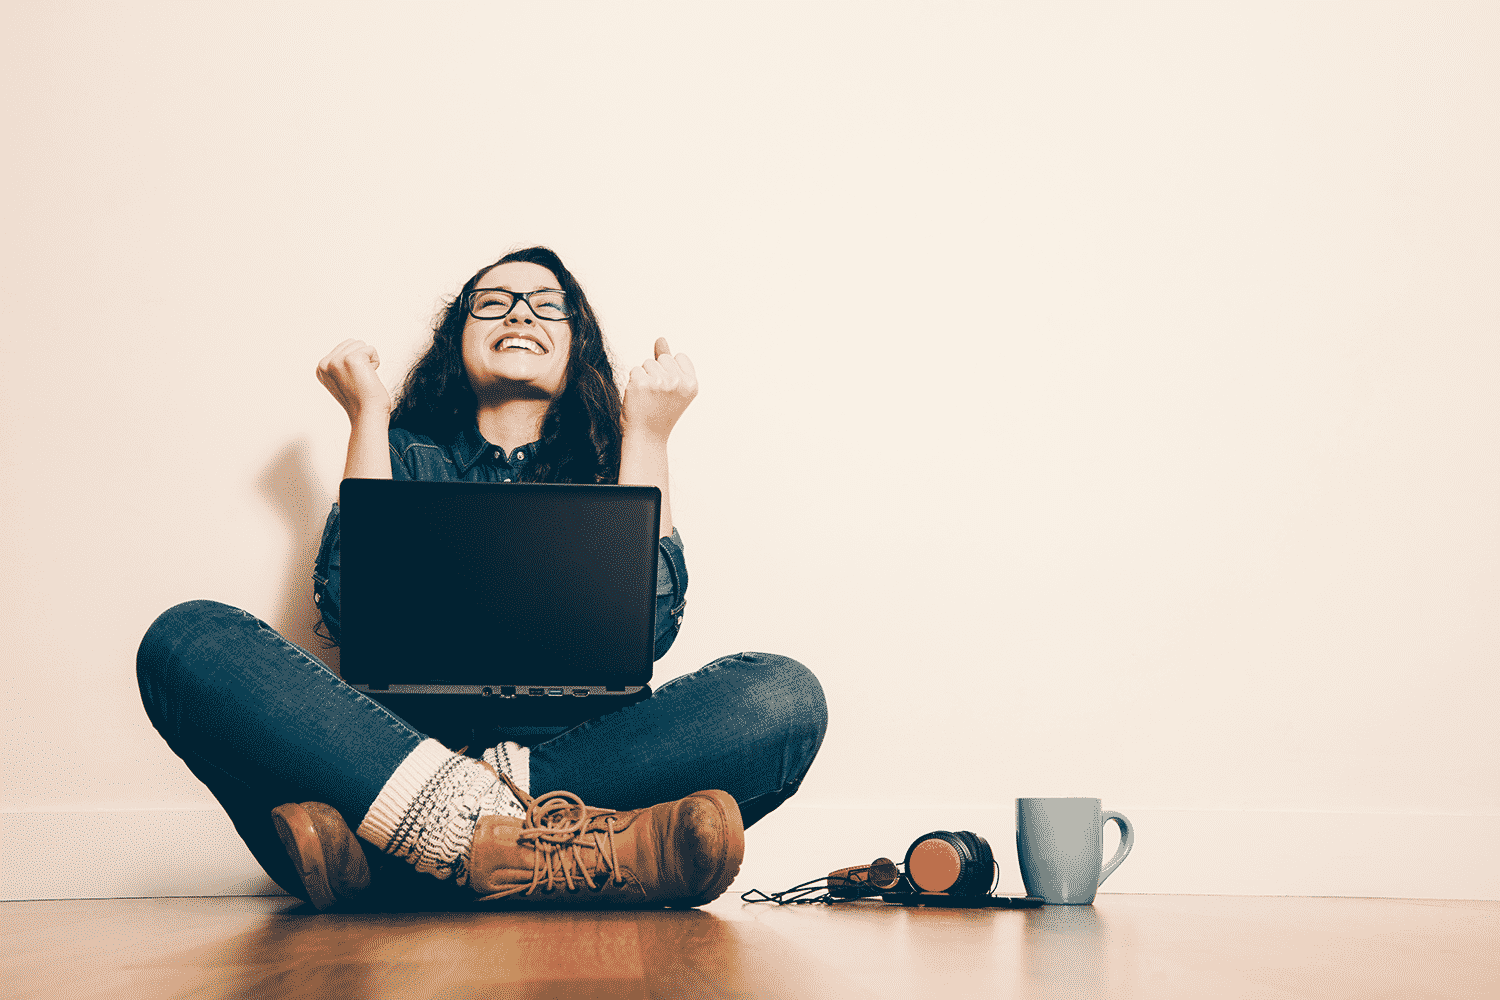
(1159,947)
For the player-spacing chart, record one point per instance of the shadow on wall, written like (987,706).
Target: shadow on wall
(291,486)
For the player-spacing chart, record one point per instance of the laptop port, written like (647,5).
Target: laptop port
(507,691)
(580,692)
(554,692)
(535,691)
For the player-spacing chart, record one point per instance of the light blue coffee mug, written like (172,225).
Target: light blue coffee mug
(1060,845)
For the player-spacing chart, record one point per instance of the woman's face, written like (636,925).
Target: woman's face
(522,349)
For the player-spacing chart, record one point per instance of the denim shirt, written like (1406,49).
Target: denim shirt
(469,458)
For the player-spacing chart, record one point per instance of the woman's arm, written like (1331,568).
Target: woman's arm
(671,591)
(348,373)
(643,462)
(327,578)
(369,454)
(656,394)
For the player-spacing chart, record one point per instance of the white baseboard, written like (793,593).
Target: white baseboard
(195,852)
(134,852)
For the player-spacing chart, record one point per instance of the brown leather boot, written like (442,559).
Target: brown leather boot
(566,854)
(324,851)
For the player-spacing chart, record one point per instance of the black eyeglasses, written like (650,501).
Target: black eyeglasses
(496,303)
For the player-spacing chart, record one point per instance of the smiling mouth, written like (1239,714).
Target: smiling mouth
(520,344)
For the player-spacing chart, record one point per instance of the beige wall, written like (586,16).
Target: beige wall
(1101,399)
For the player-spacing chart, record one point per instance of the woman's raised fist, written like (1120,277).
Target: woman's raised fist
(657,392)
(348,373)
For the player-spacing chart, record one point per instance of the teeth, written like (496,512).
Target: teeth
(522,342)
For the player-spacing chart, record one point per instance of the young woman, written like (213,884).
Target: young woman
(331,789)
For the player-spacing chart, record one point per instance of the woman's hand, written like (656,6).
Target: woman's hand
(348,372)
(655,395)
(657,392)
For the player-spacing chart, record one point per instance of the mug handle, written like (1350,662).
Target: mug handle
(1127,841)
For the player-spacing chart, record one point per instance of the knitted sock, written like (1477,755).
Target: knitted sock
(514,760)
(427,810)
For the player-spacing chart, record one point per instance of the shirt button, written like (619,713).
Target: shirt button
(317,598)
(520,456)
(497,454)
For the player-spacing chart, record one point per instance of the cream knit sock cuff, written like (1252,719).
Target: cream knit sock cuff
(401,790)
(427,810)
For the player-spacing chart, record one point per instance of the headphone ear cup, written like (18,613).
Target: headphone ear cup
(879,876)
(957,864)
(941,861)
(979,874)
(933,862)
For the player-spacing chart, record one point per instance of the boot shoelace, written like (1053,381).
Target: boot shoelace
(558,823)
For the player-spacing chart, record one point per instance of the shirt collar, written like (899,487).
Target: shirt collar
(470,446)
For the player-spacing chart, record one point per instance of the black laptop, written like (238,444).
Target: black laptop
(502,590)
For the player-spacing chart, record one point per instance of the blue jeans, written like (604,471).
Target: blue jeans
(261,721)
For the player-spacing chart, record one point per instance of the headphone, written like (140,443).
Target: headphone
(954,864)
(943,868)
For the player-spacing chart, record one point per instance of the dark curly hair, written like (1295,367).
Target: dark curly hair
(581,431)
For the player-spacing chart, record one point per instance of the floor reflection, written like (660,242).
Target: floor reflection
(620,955)
(1156,947)
(1066,952)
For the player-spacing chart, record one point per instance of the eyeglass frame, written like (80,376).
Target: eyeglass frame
(519,297)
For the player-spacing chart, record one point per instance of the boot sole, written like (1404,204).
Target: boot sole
(734,854)
(305,849)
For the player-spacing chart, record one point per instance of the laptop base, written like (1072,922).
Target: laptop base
(506,691)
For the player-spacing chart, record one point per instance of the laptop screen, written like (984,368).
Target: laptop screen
(498,584)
